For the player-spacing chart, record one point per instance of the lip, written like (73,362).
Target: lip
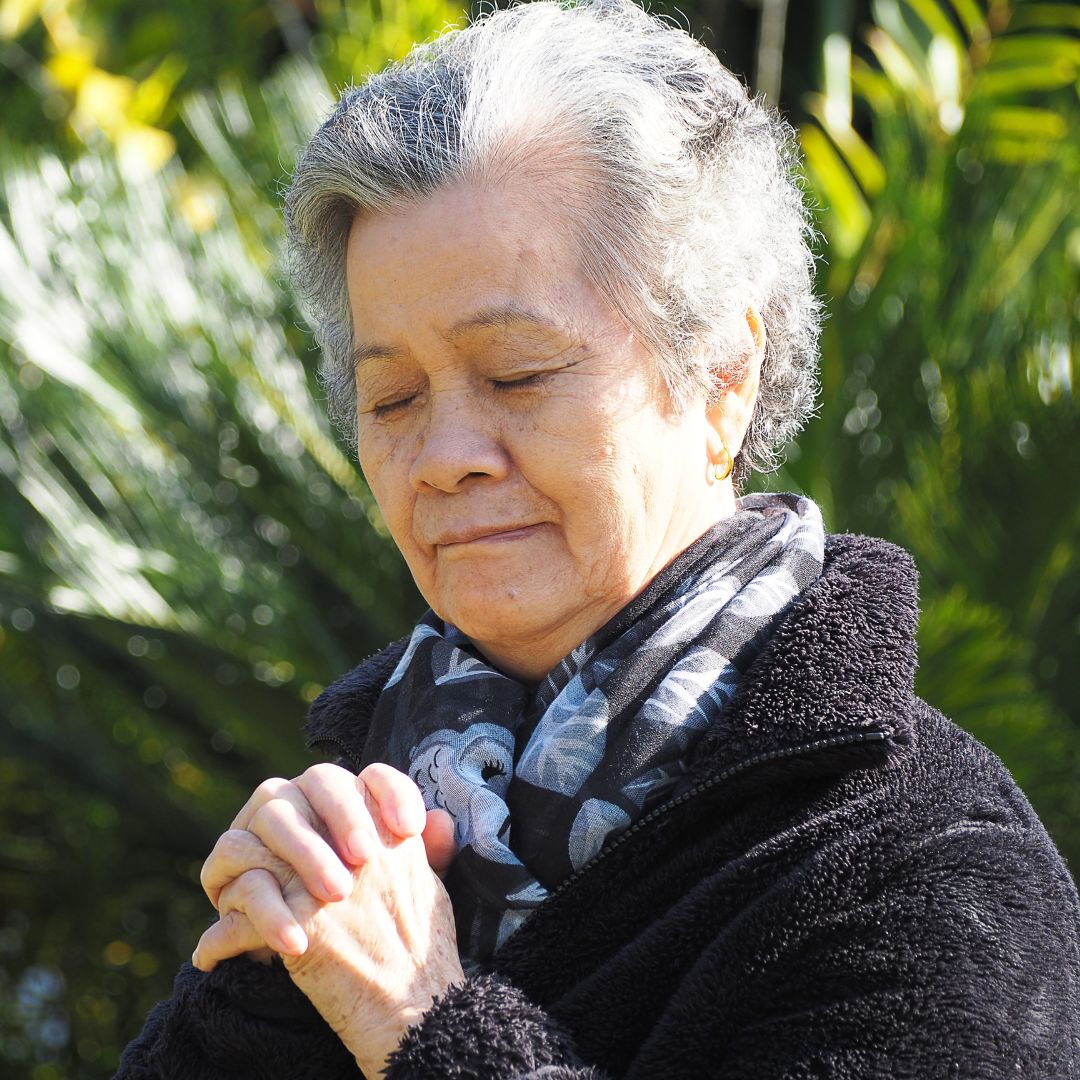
(476,533)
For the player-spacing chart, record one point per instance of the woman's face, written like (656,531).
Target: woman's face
(515,433)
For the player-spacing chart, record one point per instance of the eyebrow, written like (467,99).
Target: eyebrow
(504,315)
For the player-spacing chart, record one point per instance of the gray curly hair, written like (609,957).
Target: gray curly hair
(682,189)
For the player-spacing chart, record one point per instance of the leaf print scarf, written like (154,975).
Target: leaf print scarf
(539,777)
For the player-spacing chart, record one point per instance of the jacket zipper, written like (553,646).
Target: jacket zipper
(330,740)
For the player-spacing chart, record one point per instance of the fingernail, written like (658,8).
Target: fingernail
(412,822)
(338,885)
(294,941)
(359,845)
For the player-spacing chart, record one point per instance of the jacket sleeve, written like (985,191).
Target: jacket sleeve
(485,1028)
(952,967)
(242,1020)
(942,956)
(962,964)
(246,1020)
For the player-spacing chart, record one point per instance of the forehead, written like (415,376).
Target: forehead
(511,317)
(465,258)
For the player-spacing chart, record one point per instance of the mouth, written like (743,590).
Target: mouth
(475,534)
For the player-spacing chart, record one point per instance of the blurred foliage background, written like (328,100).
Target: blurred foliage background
(187,555)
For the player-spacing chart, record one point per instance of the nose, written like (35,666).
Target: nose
(458,443)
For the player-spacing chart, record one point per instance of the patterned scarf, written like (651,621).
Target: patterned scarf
(539,778)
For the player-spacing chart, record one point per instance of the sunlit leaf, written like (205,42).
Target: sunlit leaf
(1027,122)
(102,101)
(1033,243)
(936,19)
(17,15)
(973,18)
(142,150)
(847,215)
(1023,49)
(70,66)
(891,19)
(1045,17)
(898,65)
(874,87)
(860,159)
(1013,81)
(152,93)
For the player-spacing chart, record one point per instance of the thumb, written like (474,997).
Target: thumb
(438,837)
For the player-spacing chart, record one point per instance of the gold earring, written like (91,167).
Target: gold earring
(722,469)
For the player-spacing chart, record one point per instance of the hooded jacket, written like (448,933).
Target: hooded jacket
(852,888)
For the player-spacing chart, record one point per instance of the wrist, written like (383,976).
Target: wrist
(371,1048)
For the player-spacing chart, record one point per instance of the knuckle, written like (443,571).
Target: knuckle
(323,770)
(376,771)
(272,814)
(227,851)
(229,900)
(271,788)
(232,845)
(386,777)
(230,922)
(242,895)
(233,928)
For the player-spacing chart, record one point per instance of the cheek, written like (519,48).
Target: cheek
(602,519)
(385,466)
(621,503)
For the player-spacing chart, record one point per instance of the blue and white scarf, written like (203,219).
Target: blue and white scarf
(539,778)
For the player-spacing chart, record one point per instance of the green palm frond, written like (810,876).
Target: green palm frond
(186,553)
(949,421)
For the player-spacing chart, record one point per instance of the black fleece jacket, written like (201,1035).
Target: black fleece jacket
(854,888)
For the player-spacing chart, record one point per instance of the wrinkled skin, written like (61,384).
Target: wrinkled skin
(514,430)
(359,917)
(531,469)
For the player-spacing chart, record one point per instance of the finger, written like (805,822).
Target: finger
(257,895)
(236,852)
(341,802)
(232,935)
(399,800)
(265,815)
(439,842)
(274,788)
(287,834)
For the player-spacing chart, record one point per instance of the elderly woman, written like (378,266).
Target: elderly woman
(647,791)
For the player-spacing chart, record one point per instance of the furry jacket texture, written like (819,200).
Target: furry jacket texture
(853,889)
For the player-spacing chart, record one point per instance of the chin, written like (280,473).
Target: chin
(497,611)
(493,613)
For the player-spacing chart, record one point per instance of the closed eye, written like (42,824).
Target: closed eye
(516,384)
(390,407)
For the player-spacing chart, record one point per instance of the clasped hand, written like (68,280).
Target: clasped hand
(337,874)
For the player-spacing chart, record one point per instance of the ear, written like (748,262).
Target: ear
(732,408)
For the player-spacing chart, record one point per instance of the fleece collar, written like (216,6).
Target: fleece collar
(841,661)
